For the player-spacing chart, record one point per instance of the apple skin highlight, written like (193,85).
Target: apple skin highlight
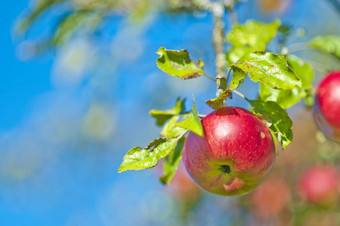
(235,155)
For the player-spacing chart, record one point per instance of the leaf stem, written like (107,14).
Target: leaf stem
(201,116)
(182,135)
(208,76)
(240,94)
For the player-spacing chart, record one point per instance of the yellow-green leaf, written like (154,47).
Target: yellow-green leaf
(268,68)
(192,122)
(171,163)
(139,158)
(217,102)
(250,37)
(162,116)
(178,63)
(281,124)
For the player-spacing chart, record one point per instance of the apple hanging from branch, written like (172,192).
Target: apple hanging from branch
(231,150)
(235,155)
(327,105)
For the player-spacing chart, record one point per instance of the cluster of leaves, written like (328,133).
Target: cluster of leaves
(284,80)
(246,56)
(176,123)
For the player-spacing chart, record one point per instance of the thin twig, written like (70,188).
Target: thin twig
(210,77)
(240,94)
(203,4)
(298,47)
(229,5)
(201,116)
(319,67)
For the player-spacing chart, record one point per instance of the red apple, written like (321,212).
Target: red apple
(235,155)
(327,105)
(270,198)
(319,184)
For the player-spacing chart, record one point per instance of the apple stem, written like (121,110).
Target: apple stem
(182,135)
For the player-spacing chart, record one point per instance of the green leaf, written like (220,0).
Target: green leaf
(162,116)
(328,44)
(268,68)
(138,158)
(287,98)
(170,129)
(178,63)
(216,103)
(139,11)
(280,122)
(171,163)
(68,25)
(285,30)
(41,7)
(250,37)
(238,77)
(303,70)
(192,122)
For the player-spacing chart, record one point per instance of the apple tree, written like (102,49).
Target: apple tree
(231,150)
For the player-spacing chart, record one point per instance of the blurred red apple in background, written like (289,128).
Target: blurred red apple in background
(273,6)
(235,155)
(319,184)
(327,105)
(270,198)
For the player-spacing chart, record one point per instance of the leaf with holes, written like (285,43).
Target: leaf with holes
(139,158)
(238,78)
(287,98)
(178,63)
(216,103)
(268,68)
